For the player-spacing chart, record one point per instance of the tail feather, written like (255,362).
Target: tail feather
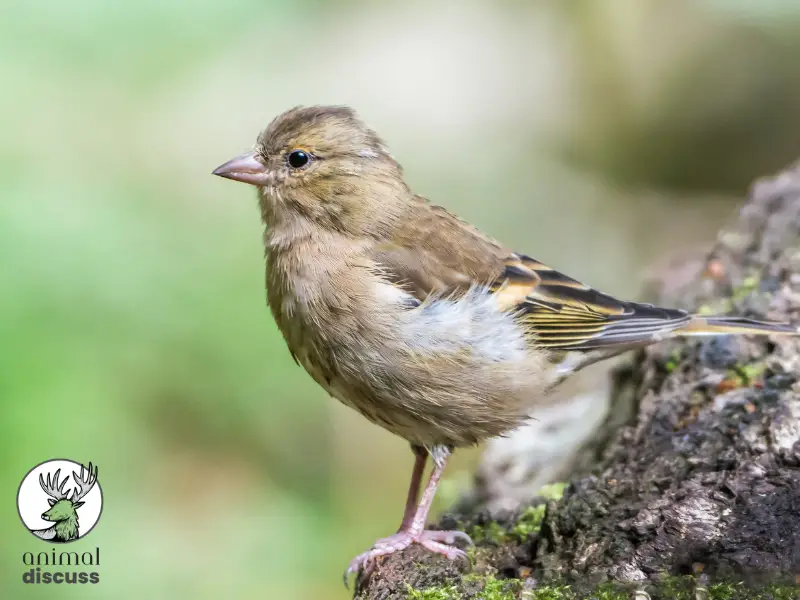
(733,325)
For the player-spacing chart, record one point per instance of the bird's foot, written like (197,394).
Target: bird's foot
(439,542)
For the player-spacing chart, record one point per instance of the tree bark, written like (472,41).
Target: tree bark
(699,492)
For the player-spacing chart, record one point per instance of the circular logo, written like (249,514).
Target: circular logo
(60,500)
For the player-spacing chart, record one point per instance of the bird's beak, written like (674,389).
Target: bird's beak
(245,168)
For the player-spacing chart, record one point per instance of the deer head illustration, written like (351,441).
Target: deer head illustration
(63,509)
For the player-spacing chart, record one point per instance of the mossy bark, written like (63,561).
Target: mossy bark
(698,496)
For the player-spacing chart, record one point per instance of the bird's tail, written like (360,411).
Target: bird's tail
(733,326)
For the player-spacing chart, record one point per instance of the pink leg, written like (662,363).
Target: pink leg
(413,489)
(413,529)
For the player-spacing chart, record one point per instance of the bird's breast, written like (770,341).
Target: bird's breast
(446,370)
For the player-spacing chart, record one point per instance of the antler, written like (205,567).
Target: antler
(51,488)
(84,483)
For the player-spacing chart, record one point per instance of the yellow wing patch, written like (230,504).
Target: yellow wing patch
(564,314)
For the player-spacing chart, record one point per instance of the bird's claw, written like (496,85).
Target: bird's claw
(436,541)
(448,537)
(353,568)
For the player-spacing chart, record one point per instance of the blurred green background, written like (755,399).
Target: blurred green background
(596,136)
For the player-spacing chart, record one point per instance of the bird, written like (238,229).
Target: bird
(413,317)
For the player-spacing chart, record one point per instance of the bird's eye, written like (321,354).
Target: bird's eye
(298,159)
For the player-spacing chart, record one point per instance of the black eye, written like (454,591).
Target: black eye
(298,159)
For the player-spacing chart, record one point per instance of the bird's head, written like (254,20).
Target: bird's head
(323,164)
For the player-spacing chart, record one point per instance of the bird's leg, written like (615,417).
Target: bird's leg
(433,540)
(412,529)
(421,457)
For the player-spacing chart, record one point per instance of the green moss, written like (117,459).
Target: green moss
(448,592)
(530,520)
(722,591)
(552,491)
(673,361)
(550,592)
(750,373)
(719,307)
(688,588)
(610,591)
(725,305)
(490,532)
(749,285)
(490,589)
(780,592)
(528,523)
(669,587)
(746,375)
(678,588)
(705,310)
(605,591)
(496,589)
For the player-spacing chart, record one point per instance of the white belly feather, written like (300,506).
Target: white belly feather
(444,324)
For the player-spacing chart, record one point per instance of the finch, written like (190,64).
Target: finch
(413,317)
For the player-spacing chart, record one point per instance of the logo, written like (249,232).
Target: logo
(60,501)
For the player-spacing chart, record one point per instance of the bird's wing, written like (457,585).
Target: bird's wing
(418,272)
(437,253)
(560,313)
(563,314)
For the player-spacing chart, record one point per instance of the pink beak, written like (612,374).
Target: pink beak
(245,168)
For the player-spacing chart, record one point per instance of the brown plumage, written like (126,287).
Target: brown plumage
(413,317)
